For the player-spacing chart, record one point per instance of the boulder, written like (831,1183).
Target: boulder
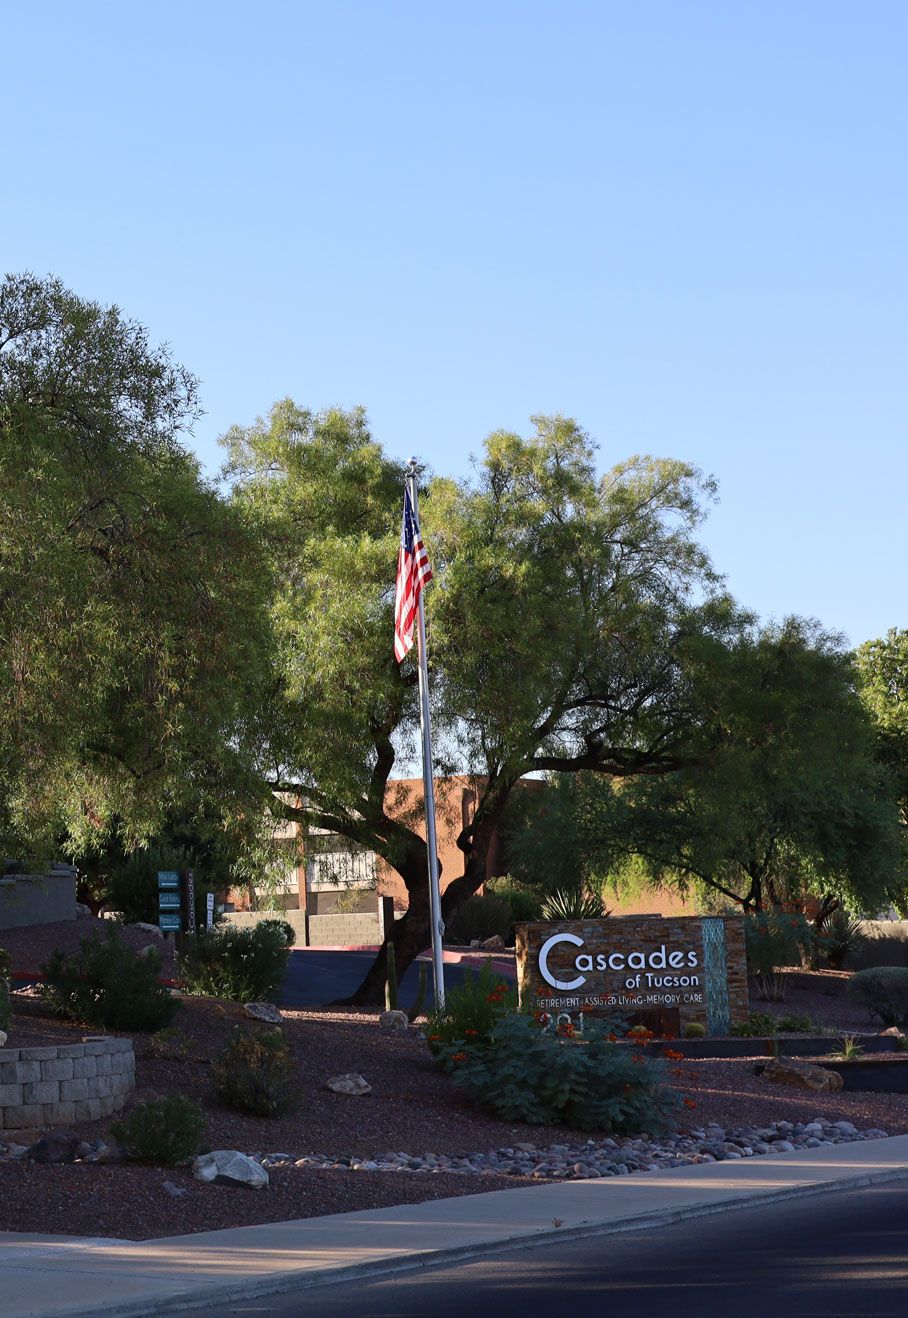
(148,929)
(394,1022)
(231,1167)
(802,1075)
(350,1083)
(82,911)
(263,1011)
(892,1033)
(3,1038)
(494,944)
(55,1148)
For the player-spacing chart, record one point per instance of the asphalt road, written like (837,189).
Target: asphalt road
(840,1255)
(315,978)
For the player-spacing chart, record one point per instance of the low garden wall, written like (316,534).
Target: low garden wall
(68,1082)
(37,898)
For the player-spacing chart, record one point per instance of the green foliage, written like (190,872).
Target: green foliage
(163,1132)
(774,940)
(132,886)
(882,668)
(481,917)
(422,983)
(108,985)
(795,1025)
(242,965)
(5,969)
(525,902)
(282,929)
(883,990)
(841,936)
(573,904)
(520,1072)
(760,1025)
(132,592)
(851,1050)
(471,1011)
(255,1073)
(694,1030)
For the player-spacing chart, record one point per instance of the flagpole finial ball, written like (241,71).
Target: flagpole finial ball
(413,463)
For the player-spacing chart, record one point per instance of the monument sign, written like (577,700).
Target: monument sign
(671,970)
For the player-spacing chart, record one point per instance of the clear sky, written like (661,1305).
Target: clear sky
(683,223)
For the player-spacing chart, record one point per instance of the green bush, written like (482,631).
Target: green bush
(254,1072)
(132,887)
(471,1011)
(525,903)
(481,917)
(163,1132)
(573,904)
(108,985)
(883,990)
(6,966)
(284,928)
(794,1025)
(694,1030)
(243,965)
(760,1025)
(841,936)
(774,940)
(523,1073)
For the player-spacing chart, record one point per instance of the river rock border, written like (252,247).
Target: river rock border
(66,1082)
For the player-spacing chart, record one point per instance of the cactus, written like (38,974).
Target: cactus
(419,1001)
(390,980)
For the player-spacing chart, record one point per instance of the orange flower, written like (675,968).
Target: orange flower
(471,1032)
(613,1038)
(673,1055)
(689,1102)
(434,1038)
(459,1057)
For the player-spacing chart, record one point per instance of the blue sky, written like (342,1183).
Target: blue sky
(682,223)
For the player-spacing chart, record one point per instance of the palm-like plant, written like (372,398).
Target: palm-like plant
(842,934)
(573,904)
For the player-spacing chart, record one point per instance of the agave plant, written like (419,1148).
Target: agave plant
(841,935)
(573,904)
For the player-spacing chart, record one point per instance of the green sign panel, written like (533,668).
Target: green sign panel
(169,879)
(170,923)
(168,901)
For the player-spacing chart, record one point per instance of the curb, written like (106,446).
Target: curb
(205,1295)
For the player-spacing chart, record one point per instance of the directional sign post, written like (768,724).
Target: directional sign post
(170,919)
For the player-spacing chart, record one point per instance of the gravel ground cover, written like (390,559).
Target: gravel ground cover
(31,946)
(413,1120)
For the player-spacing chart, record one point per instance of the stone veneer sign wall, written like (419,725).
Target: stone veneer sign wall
(69,1082)
(636,965)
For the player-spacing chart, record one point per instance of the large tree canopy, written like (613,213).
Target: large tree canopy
(569,621)
(790,800)
(130,595)
(882,668)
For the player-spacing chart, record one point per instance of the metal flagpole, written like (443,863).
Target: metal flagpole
(438,967)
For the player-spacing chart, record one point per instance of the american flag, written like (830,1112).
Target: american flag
(413,572)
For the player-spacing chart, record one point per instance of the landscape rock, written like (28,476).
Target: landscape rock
(54,1148)
(394,1022)
(148,929)
(350,1083)
(3,1038)
(893,1032)
(231,1167)
(494,944)
(82,911)
(175,1191)
(802,1075)
(263,1011)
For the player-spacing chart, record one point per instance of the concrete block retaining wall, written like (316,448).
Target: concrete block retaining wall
(69,1082)
(354,929)
(37,898)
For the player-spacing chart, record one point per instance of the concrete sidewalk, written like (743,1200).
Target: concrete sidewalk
(74,1278)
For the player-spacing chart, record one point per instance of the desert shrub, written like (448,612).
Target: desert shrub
(282,927)
(760,1025)
(694,1030)
(243,965)
(254,1072)
(108,985)
(471,1011)
(523,1073)
(883,990)
(162,1132)
(573,904)
(525,903)
(481,917)
(6,966)
(841,935)
(774,940)
(132,886)
(794,1025)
